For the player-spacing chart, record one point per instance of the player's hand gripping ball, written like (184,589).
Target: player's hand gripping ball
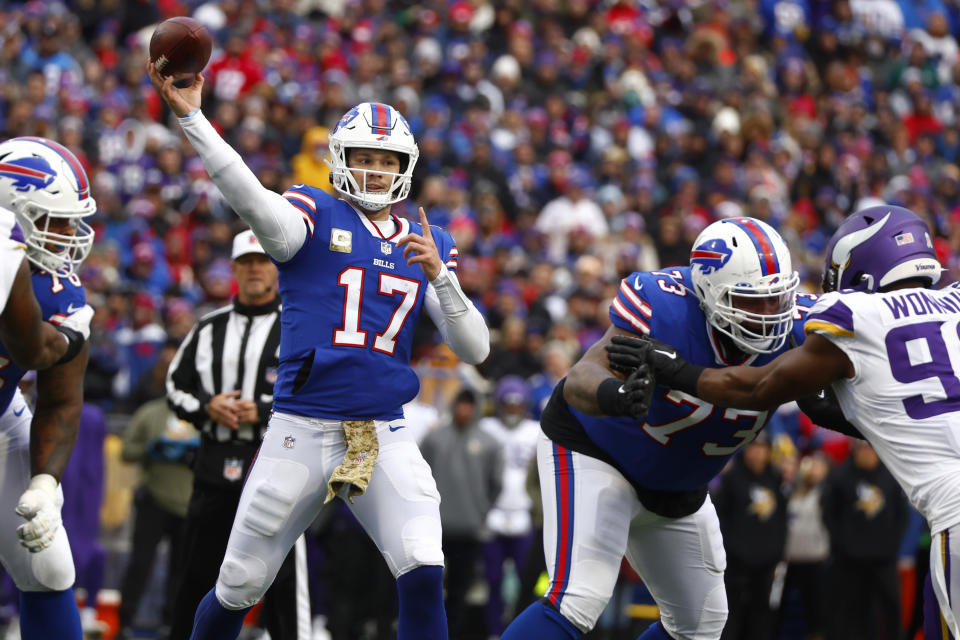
(180,47)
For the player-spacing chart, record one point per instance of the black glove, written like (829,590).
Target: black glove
(626,353)
(630,397)
(824,410)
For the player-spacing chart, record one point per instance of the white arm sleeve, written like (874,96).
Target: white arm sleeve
(278,225)
(460,324)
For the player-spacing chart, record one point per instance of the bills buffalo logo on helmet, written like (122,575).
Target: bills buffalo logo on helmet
(347,118)
(711,255)
(28,173)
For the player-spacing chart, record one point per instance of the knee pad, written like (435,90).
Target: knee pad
(53,567)
(273,497)
(421,540)
(242,581)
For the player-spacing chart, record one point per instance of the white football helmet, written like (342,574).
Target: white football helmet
(372,125)
(42,181)
(740,270)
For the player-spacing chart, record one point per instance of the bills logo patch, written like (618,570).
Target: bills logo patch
(233,469)
(711,255)
(289,442)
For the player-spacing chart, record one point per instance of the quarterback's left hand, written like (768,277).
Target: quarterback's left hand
(38,505)
(422,249)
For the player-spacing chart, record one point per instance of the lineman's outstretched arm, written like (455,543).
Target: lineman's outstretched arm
(278,225)
(794,374)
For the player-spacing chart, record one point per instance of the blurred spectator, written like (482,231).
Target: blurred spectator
(509,520)
(467,464)
(83,488)
(808,546)
(753,519)
(138,343)
(163,446)
(866,513)
(309,166)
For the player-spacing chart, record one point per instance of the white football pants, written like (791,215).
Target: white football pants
(592,518)
(287,484)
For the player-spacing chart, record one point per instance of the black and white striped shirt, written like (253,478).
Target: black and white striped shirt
(234,347)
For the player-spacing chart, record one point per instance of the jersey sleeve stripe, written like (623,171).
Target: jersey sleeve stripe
(303,209)
(635,300)
(452,264)
(837,314)
(306,200)
(822,326)
(629,317)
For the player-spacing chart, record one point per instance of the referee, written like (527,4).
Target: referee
(221,380)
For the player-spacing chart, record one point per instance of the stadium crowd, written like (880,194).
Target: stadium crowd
(563,143)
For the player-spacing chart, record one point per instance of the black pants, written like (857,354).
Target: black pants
(460,557)
(206,533)
(866,600)
(809,581)
(748,596)
(151,524)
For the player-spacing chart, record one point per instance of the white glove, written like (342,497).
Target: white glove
(39,505)
(79,321)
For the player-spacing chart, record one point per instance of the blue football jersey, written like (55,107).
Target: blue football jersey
(58,298)
(350,307)
(683,441)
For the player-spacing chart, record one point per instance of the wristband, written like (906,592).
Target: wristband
(609,397)
(75,342)
(686,377)
(190,114)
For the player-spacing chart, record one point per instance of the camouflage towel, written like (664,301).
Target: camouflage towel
(352,476)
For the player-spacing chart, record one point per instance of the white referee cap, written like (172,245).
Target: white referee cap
(245,242)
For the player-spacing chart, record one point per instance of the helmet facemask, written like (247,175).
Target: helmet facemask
(344,179)
(743,312)
(47,247)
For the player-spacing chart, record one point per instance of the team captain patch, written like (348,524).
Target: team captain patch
(341,240)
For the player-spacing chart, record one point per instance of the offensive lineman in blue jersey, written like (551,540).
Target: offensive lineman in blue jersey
(353,281)
(618,479)
(47,190)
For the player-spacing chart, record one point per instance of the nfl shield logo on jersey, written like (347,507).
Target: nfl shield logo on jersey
(233,469)
(386,248)
(289,442)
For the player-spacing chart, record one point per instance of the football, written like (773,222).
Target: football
(180,46)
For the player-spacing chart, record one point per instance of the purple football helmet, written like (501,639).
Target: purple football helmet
(878,246)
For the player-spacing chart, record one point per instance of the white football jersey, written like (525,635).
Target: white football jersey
(12,254)
(905,395)
(510,514)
